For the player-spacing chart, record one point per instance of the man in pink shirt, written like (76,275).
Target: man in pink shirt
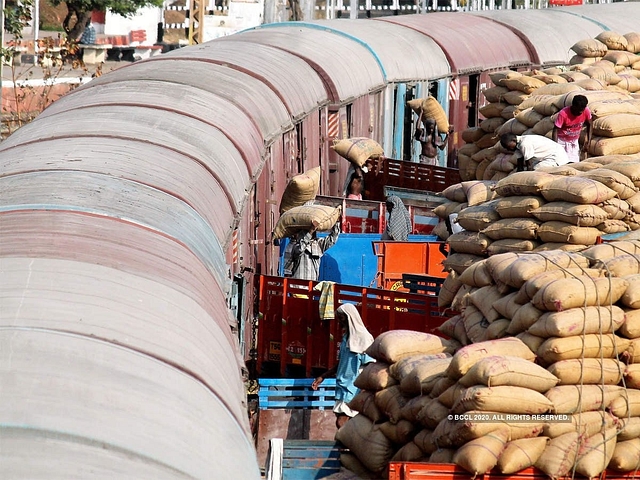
(568,125)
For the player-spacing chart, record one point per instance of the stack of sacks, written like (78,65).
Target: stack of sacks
(395,401)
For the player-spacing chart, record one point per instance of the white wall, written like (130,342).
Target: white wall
(145,19)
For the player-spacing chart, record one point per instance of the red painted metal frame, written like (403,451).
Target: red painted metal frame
(289,317)
(449,471)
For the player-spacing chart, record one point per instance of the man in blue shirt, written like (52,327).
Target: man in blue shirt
(355,340)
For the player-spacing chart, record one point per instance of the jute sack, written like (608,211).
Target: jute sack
(606,371)
(529,117)
(484,298)
(515,97)
(390,402)
(628,428)
(585,166)
(543,104)
(567,293)
(509,112)
(509,371)
(471,135)
(400,433)
(305,218)
(424,440)
(630,169)
(477,275)
(494,94)
(413,406)
(475,325)
(448,290)
(497,329)
(448,328)
(609,159)
(557,89)
(520,454)
(617,125)
(574,213)
(459,262)
(531,341)
(408,453)
(488,140)
(565,247)
(432,414)
(526,316)
(455,433)
(618,57)
(451,395)
(455,193)
(481,455)
(498,263)
(490,125)
(631,297)
(421,379)
(609,250)
(374,376)
(631,327)
(613,226)
(595,453)
(518,207)
(511,245)
(461,300)
(512,126)
(478,217)
(543,127)
(633,42)
(473,243)
(442,455)
(358,149)
(590,48)
(613,40)
(447,208)
(523,184)
(627,405)
(604,108)
(364,402)
(626,456)
(531,286)
(467,356)
(517,228)
(587,346)
(632,355)
(584,423)
(621,266)
(582,398)
(528,266)
(578,321)
(634,202)
(507,306)
(551,79)
(355,466)
(523,84)
(492,110)
(392,345)
(503,399)
(431,109)
(300,189)
(592,84)
(601,73)
(368,443)
(441,386)
(617,209)
(478,191)
(575,76)
(559,456)
(441,231)
(577,190)
(562,232)
(611,146)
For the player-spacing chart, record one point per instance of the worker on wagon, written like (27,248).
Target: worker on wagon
(568,125)
(351,358)
(430,141)
(399,222)
(354,185)
(534,151)
(303,253)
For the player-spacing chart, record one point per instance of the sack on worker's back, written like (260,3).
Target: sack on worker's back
(358,149)
(297,219)
(300,189)
(432,109)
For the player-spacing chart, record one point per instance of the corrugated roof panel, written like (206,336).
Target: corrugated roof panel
(406,54)
(301,90)
(623,17)
(144,163)
(472,44)
(348,68)
(550,31)
(256,99)
(200,142)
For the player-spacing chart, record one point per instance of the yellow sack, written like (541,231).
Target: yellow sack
(297,219)
(431,109)
(358,149)
(300,189)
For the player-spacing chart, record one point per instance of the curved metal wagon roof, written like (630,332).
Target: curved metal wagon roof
(623,17)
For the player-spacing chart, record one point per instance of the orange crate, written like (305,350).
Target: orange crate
(396,258)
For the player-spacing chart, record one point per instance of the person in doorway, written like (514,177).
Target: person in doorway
(304,251)
(534,151)
(399,222)
(354,184)
(351,358)
(568,125)
(430,140)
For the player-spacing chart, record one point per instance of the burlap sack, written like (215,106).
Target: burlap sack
(516,228)
(448,290)
(601,73)
(304,218)
(497,329)
(390,402)
(609,159)
(488,140)
(424,440)
(565,247)
(611,146)
(374,376)
(473,243)
(520,454)
(531,341)
(358,149)
(442,455)
(432,414)
(523,184)
(441,386)
(515,97)
(461,300)
(467,356)
(471,135)
(574,213)
(447,208)
(498,263)
(633,42)
(509,112)
(478,192)
(603,108)
(451,394)
(507,305)
(300,189)
(441,231)
(492,110)
(558,457)
(572,399)
(413,406)
(584,423)
(523,84)
(477,275)
(531,286)
(617,125)
(364,402)
(568,293)
(455,193)
(631,327)
(557,89)
(459,262)
(392,345)
(562,232)
(634,202)
(577,190)
(609,250)
(481,455)
(477,218)
(368,443)
(631,297)
(586,346)
(510,371)
(529,117)
(550,79)
(432,109)
(526,266)
(544,127)
(408,453)
(626,405)
(621,266)
(399,433)
(518,206)
(626,456)
(595,453)
(494,94)
(578,321)
(613,226)
(475,325)
(421,379)
(453,433)
(632,354)
(575,76)
(606,371)
(629,428)
(484,298)
(590,48)
(630,169)
(512,245)
(512,126)
(613,40)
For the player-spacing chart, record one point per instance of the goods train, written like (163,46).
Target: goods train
(137,211)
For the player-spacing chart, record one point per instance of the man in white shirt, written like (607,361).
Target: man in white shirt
(534,151)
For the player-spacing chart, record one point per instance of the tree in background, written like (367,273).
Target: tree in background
(79,11)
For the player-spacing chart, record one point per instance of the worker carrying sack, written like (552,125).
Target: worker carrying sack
(358,150)
(300,189)
(432,109)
